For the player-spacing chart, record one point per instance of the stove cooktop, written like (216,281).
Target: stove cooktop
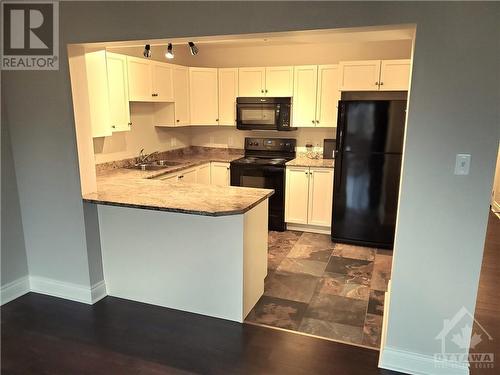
(261,161)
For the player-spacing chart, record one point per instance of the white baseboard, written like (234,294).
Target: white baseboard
(308,228)
(418,364)
(14,289)
(69,291)
(98,291)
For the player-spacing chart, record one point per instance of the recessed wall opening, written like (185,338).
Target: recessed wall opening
(173,111)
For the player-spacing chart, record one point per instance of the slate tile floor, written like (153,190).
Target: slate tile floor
(324,289)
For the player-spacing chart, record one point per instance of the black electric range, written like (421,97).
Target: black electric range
(263,166)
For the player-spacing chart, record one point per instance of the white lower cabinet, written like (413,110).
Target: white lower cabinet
(188,175)
(220,174)
(215,173)
(319,211)
(308,196)
(203,174)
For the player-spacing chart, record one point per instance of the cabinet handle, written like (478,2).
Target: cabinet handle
(381,83)
(376,83)
(262,91)
(265,90)
(217,119)
(177,120)
(227,168)
(317,121)
(313,121)
(307,173)
(181,176)
(113,126)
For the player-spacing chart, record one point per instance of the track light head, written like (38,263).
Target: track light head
(170,51)
(193,48)
(147,51)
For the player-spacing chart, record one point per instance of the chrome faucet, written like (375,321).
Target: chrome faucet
(144,158)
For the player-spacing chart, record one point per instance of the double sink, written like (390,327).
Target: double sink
(156,165)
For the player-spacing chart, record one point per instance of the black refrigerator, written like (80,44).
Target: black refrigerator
(367,170)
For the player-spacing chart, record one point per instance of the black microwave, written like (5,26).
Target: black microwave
(264,114)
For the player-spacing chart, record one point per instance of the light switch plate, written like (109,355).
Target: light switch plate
(462,164)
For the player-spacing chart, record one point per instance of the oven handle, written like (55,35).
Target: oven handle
(268,168)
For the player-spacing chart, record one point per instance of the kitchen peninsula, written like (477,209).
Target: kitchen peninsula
(188,246)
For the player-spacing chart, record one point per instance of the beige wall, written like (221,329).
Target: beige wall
(143,134)
(271,55)
(226,136)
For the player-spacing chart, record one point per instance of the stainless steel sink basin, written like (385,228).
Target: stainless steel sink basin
(156,165)
(166,163)
(148,167)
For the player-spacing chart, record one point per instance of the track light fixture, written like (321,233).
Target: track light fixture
(193,48)
(170,51)
(147,51)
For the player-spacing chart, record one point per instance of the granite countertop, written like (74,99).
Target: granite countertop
(304,161)
(138,189)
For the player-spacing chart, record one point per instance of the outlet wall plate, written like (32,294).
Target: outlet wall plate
(462,164)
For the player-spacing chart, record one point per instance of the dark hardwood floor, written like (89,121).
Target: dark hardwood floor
(488,298)
(46,335)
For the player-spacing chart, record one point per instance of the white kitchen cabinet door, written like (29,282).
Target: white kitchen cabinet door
(169,177)
(304,95)
(395,75)
(228,92)
(220,174)
(181,95)
(188,175)
(279,81)
(296,195)
(359,75)
(95,95)
(203,98)
(328,96)
(251,82)
(320,196)
(119,110)
(203,174)
(140,81)
(163,86)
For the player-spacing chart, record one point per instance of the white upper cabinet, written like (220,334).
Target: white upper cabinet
(395,75)
(228,92)
(271,81)
(304,95)
(252,82)
(92,98)
(163,87)
(149,81)
(119,111)
(140,80)
(328,96)
(359,75)
(279,81)
(203,98)
(374,75)
(320,197)
(181,95)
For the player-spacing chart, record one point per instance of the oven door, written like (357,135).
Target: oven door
(260,116)
(266,177)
